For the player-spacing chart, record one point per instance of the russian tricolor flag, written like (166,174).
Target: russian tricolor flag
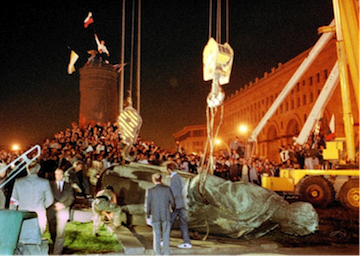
(88,20)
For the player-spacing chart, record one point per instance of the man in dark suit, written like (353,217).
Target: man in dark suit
(59,212)
(176,186)
(158,201)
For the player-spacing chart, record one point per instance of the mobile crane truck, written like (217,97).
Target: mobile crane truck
(321,187)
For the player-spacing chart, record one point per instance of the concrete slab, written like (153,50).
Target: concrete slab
(131,244)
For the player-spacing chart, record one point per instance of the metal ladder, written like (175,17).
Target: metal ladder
(20,164)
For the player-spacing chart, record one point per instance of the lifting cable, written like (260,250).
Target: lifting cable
(211,111)
(129,119)
(132,51)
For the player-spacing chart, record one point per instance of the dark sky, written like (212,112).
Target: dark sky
(38,98)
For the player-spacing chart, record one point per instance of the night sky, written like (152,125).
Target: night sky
(38,98)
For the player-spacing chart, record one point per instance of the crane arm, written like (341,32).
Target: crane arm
(319,106)
(315,51)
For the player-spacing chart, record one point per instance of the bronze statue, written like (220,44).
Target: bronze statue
(216,206)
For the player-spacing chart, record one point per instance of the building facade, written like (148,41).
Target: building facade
(248,105)
(192,138)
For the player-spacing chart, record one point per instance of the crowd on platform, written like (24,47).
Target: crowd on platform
(98,146)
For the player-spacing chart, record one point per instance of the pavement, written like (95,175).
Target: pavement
(137,240)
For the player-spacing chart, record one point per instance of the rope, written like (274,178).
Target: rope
(218,21)
(210,18)
(210,121)
(132,49)
(227,20)
(207,230)
(218,35)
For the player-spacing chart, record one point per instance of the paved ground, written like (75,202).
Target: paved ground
(138,241)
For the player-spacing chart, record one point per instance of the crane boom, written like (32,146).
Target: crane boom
(319,106)
(320,44)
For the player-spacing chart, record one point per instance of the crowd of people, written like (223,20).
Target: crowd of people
(236,167)
(72,160)
(88,150)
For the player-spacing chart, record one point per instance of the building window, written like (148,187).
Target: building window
(326,73)
(311,97)
(183,137)
(304,99)
(305,117)
(298,102)
(311,80)
(304,82)
(198,133)
(286,106)
(298,87)
(318,77)
(292,104)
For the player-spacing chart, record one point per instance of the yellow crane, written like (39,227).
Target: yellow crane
(321,187)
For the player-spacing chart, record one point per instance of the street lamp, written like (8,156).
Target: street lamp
(218,142)
(244,131)
(15,147)
(243,128)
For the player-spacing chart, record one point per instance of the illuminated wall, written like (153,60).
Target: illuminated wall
(249,104)
(192,138)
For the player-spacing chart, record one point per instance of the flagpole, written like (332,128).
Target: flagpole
(121,86)
(138,57)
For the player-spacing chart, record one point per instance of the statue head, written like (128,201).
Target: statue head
(300,218)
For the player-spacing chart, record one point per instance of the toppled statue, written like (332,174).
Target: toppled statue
(214,205)
(239,209)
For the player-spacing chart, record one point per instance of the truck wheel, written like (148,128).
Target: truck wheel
(349,195)
(318,191)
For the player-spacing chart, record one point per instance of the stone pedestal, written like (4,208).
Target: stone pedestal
(99,97)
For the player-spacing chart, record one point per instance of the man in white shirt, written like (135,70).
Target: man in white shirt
(101,46)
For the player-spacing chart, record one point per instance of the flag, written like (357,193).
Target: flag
(73,58)
(331,131)
(88,20)
(119,67)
